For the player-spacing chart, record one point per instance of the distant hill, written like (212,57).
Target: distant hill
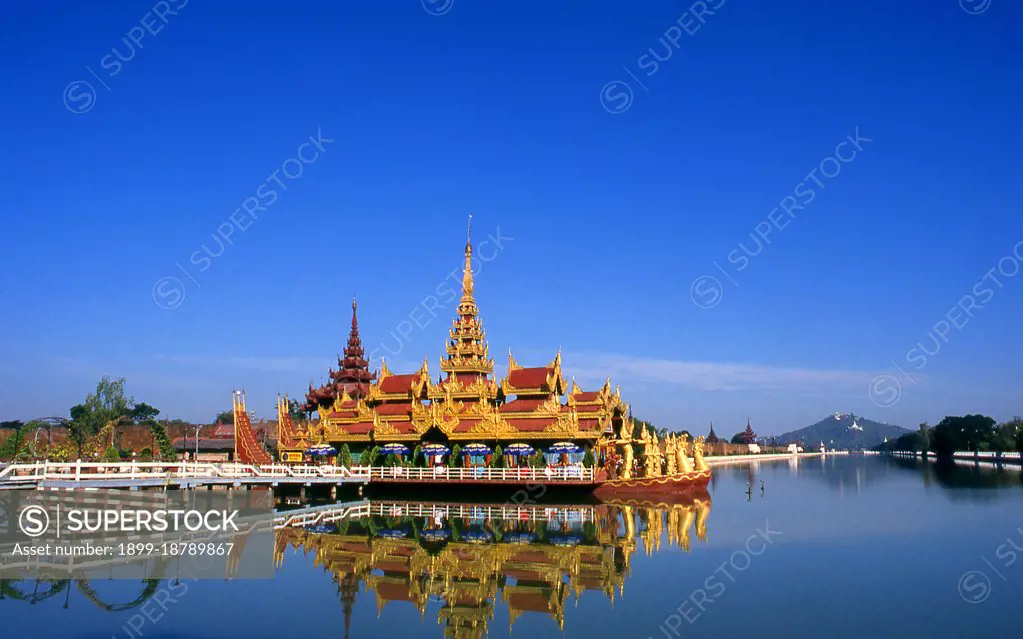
(843,430)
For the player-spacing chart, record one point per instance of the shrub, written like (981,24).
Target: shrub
(588,460)
(146,454)
(112,455)
(498,459)
(455,461)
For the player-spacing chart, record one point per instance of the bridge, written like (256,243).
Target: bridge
(190,475)
(134,475)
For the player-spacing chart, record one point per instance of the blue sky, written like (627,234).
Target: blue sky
(619,182)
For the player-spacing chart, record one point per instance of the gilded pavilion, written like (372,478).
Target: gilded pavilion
(465,403)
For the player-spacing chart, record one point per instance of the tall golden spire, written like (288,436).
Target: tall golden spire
(467,272)
(467,352)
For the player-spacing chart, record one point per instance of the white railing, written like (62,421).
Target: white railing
(79,471)
(510,475)
(313,517)
(719,460)
(107,471)
(986,455)
(468,511)
(959,454)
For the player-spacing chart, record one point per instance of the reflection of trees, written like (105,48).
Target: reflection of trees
(148,590)
(43,589)
(958,476)
(10,589)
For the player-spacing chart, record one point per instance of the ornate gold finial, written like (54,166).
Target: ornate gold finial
(467,287)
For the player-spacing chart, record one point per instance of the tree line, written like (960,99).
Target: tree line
(92,429)
(973,433)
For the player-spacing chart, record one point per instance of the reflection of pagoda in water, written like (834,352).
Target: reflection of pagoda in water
(473,558)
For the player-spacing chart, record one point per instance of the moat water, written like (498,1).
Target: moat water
(836,547)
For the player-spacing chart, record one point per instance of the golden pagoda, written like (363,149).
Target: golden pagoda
(464,404)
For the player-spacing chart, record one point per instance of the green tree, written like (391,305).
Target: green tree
(1008,435)
(164,447)
(417,456)
(226,417)
(738,438)
(588,460)
(143,413)
(455,461)
(107,404)
(345,455)
(112,455)
(146,454)
(963,433)
(497,461)
(9,447)
(923,435)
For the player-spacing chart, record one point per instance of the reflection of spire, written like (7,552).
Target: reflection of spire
(349,587)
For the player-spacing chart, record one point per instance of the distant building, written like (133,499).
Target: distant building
(711,437)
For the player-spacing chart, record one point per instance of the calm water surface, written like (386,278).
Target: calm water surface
(842,547)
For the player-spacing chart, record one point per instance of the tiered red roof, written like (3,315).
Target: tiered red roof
(352,376)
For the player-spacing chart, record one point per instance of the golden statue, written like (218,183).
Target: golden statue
(669,452)
(652,453)
(698,461)
(682,455)
(627,462)
(644,441)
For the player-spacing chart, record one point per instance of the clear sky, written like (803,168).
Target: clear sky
(674,205)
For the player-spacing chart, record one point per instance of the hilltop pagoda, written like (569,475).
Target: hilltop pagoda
(466,403)
(352,376)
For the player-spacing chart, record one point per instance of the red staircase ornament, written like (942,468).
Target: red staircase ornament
(247,449)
